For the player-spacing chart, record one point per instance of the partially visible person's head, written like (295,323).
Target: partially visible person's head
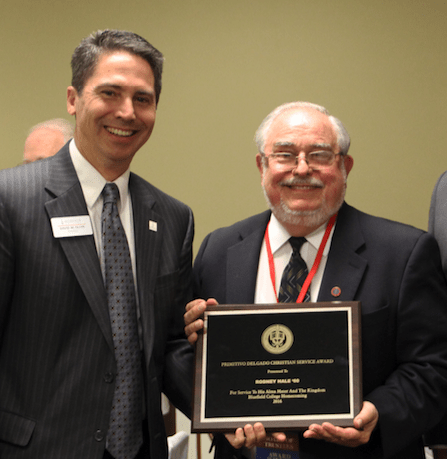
(46,139)
(304,164)
(86,55)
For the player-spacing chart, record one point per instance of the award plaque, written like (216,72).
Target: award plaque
(286,365)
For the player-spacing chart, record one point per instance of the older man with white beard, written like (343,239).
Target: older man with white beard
(394,270)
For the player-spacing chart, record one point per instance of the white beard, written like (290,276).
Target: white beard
(307,218)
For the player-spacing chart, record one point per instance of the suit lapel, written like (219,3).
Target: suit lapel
(345,267)
(344,270)
(81,253)
(148,227)
(243,260)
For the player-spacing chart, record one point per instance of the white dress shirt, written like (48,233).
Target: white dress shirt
(92,184)
(282,250)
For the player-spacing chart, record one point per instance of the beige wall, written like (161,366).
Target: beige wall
(379,66)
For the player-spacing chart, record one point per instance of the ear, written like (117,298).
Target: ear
(349,162)
(72,97)
(259,161)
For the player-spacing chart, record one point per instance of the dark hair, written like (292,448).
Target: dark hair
(87,53)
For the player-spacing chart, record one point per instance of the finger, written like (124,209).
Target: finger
(194,310)
(195,303)
(317,432)
(337,434)
(259,434)
(193,315)
(347,436)
(211,301)
(367,418)
(236,440)
(254,435)
(344,436)
(280,436)
(191,304)
(192,339)
(192,329)
(258,429)
(250,437)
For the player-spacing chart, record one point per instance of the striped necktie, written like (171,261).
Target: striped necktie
(294,274)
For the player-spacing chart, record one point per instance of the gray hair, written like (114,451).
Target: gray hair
(86,55)
(57,124)
(343,139)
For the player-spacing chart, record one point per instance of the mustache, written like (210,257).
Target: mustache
(297,181)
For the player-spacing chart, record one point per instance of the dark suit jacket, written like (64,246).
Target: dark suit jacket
(437,225)
(57,362)
(395,271)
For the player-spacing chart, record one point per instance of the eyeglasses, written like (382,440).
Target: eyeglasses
(315,159)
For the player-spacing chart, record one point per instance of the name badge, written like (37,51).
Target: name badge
(78,225)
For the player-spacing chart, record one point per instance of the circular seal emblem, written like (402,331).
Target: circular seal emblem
(277,339)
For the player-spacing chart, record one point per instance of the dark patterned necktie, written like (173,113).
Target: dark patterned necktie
(294,274)
(124,437)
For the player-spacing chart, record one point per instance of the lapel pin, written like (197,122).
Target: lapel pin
(336,291)
(152,225)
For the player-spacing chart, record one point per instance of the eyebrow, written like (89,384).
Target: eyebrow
(283,144)
(118,86)
(325,146)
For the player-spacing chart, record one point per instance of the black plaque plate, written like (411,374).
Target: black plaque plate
(285,365)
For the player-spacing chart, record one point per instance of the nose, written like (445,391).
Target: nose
(125,109)
(302,167)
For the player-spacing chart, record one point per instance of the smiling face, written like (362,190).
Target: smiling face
(115,113)
(303,198)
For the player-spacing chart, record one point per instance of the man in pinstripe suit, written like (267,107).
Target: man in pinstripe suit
(57,359)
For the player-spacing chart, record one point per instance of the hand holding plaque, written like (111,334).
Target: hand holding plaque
(360,434)
(193,317)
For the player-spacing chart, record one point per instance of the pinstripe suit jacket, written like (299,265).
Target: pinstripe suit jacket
(57,361)
(395,271)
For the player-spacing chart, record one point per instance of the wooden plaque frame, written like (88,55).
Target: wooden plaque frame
(285,365)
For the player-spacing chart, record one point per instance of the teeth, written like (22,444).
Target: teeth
(301,187)
(120,132)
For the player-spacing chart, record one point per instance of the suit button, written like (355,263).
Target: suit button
(99,436)
(109,377)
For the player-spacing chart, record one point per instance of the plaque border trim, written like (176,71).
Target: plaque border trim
(201,424)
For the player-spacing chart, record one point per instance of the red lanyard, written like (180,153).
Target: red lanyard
(315,266)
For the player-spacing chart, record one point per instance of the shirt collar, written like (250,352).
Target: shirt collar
(279,236)
(92,182)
